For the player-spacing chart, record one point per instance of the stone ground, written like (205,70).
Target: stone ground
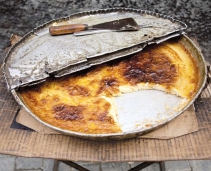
(21,16)
(15,163)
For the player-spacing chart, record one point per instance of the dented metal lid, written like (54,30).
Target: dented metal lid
(38,54)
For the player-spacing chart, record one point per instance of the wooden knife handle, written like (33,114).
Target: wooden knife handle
(66,29)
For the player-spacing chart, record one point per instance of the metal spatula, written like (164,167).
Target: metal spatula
(116,25)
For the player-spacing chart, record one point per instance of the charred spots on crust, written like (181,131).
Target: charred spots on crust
(110,82)
(78,91)
(104,117)
(108,85)
(101,111)
(68,113)
(32,99)
(150,67)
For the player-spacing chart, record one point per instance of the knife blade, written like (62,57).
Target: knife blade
(115,25)
(88,32)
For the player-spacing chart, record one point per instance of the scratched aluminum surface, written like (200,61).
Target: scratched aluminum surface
(39,54)
(142,111)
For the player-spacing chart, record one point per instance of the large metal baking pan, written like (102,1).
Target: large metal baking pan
(39,40)
(152,102)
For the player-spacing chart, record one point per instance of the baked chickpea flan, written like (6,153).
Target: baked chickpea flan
(84,101)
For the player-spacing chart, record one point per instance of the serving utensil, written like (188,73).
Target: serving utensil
(125,24)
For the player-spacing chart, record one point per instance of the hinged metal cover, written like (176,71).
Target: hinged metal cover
(39,54)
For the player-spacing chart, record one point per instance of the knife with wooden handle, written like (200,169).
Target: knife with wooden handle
(116,25)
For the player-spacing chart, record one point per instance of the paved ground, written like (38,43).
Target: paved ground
(14,163)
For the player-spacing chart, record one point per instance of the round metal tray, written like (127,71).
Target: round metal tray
(159,106)
(131,112)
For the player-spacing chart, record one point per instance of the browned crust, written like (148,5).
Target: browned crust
(75,102)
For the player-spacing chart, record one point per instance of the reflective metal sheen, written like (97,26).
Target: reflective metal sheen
(38,54)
